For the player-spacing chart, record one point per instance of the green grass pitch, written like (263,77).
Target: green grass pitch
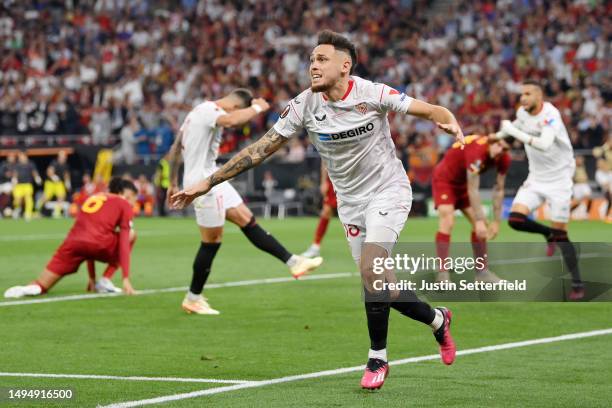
(279,329)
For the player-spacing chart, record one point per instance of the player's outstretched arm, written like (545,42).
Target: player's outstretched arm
(247,158)
(498,198)
(473,184)
(241,116)
(441,116)
(544,142)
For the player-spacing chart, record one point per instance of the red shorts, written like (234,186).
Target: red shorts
(447,193)
(330,197)
(69,256)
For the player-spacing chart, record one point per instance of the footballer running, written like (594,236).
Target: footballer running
(346,120)
(540,128)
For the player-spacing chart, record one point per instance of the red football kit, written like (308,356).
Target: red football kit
(449,183)
(101,232)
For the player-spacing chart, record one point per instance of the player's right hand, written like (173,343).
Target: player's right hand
(184,197)
(262,103)
(480,227)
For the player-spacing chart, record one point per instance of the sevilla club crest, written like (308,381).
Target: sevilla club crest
(362,108)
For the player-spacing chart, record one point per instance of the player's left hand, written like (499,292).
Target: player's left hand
(493,230)
(184,197)
(127,287)
(453,129)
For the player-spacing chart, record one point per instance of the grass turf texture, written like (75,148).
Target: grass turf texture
(281,329)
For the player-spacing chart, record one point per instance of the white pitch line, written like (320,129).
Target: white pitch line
(319,374)
(130,378)
(251,282)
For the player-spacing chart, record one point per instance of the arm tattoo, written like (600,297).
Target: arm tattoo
(498,196)
(249,157)
(473,182)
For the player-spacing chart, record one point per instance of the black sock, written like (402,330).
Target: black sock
(409,305)
(264,241)
(520,222)
(377,313)
(201,266)
(568,251)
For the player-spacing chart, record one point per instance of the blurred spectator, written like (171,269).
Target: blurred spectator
(146,199)
(269,184)
(297,152)
(126,151)
(7,169)
(582,189)
(24,177)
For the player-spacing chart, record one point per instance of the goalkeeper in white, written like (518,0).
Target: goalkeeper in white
(540,127)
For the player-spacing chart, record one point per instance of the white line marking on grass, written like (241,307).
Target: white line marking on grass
(251,282)
(319,374)
(131,378)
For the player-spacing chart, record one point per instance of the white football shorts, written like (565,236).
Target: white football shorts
(210,208)
(380,220)
(557,194)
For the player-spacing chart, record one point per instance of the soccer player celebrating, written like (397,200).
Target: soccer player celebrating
(198,141)
(455,186)
(330,205)
(540,127)
(346,120)
(92,237)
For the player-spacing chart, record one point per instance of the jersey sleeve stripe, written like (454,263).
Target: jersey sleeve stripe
(295,110)
(381,93)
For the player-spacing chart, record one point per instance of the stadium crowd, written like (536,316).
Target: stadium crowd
(129,71)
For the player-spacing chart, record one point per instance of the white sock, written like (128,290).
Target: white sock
(437,321)
(291,262)
(379,354)
(315,246)
(192,297)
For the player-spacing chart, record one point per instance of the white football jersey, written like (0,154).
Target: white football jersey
(352,136)
(201,139)
(556,163)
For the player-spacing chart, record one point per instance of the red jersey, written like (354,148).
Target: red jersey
(101,217)
(474,157)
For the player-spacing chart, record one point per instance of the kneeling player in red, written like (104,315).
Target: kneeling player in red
(93,236)
(455,186)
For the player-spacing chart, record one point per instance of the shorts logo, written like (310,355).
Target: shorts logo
(403,97)
(383,213)
(362,108)
(285,112)
(322,118)
(351,230)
